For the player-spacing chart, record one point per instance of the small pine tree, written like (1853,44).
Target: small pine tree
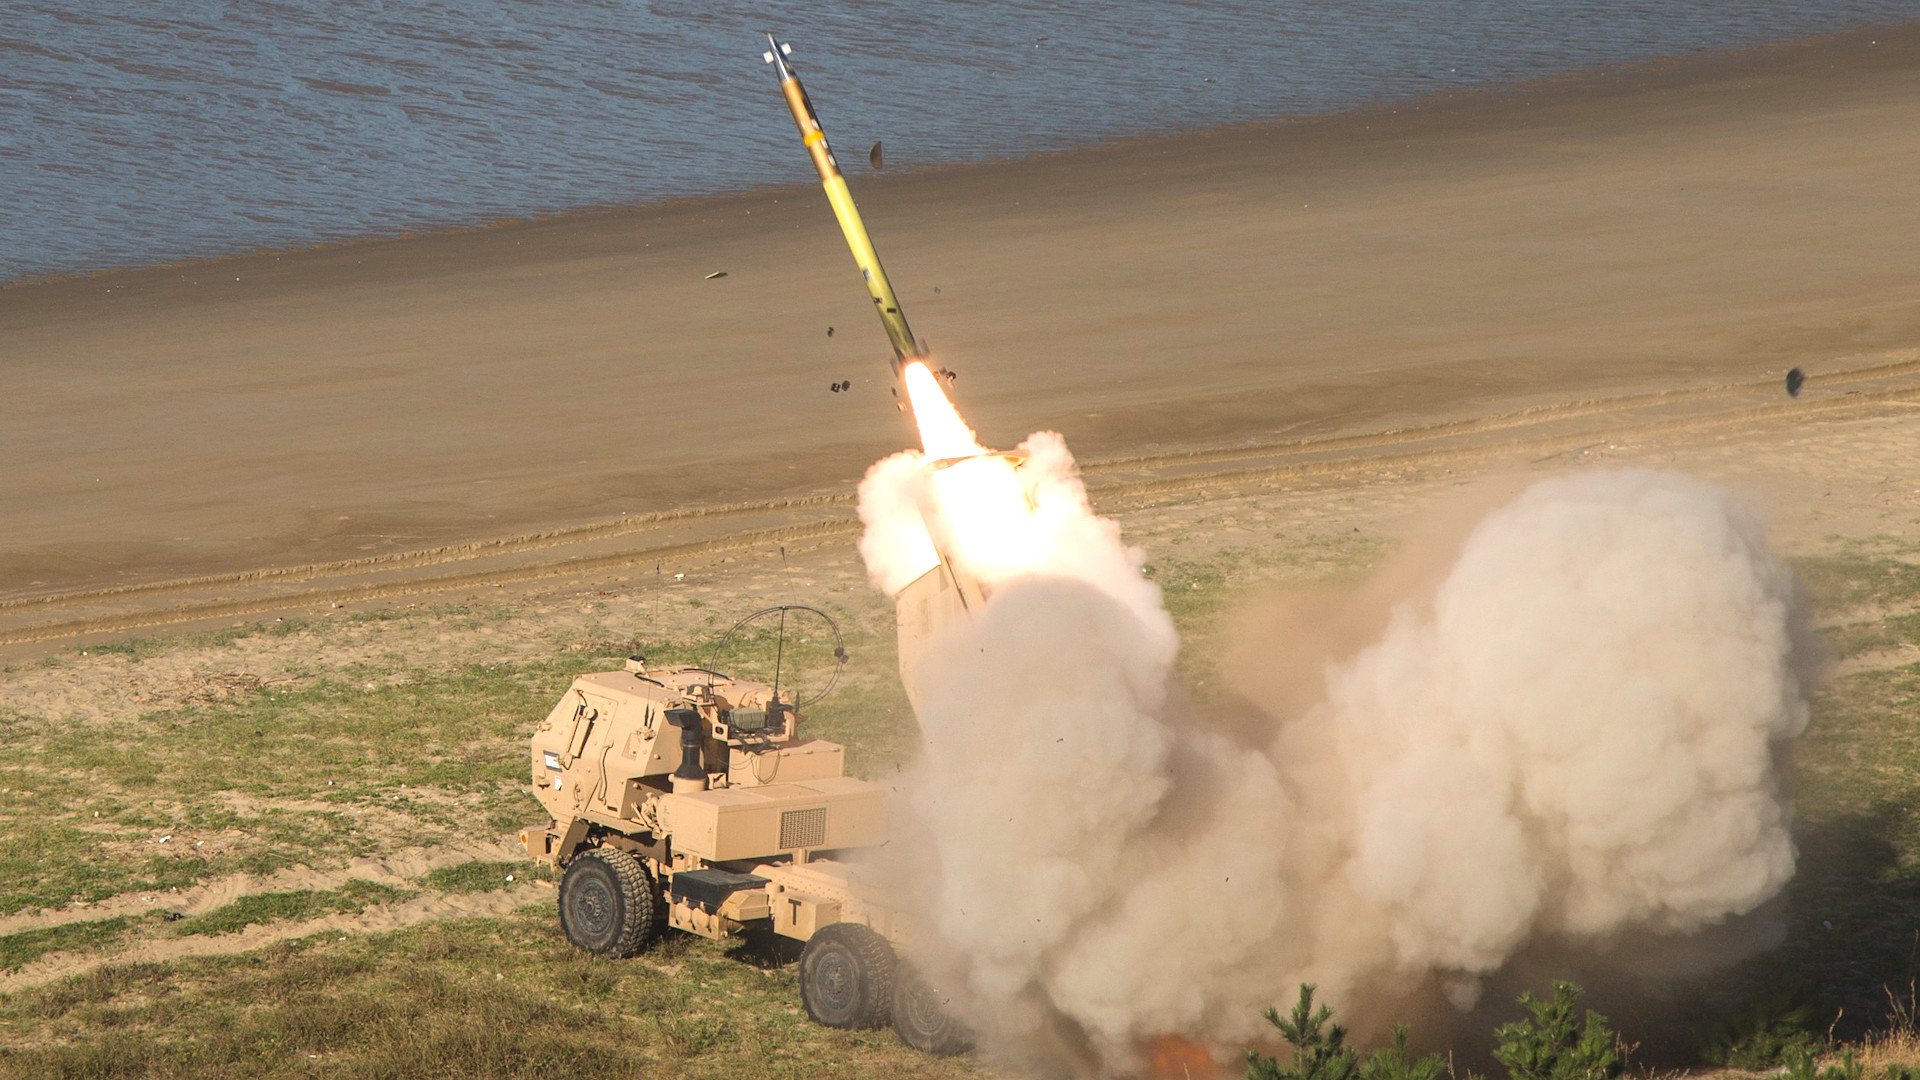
(1320,1050)
(1397,1062)
(1548,1045)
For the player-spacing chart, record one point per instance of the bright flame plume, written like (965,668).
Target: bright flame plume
(980,512)
(942,433)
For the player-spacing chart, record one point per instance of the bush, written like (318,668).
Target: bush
(1547,1045)
(1767,1035)
(1803,1065)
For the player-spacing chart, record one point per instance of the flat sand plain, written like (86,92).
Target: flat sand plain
(1693,223)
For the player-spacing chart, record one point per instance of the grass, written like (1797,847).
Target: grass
(18,950)
(488,998)
(1858,578)
(331,769)
(142,648)
(480,875)
(293,905)
(362,761)
(1875,635)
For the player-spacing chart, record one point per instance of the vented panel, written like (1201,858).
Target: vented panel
(803,828)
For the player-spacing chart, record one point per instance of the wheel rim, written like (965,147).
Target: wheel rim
(836,983)
(923,1010)
(593,908)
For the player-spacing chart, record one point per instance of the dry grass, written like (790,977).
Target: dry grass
(1885,1053)
(502,998)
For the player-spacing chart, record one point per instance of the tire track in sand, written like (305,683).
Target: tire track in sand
(394,868)
(377,918)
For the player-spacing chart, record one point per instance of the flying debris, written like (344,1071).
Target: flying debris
(715,274)
(887,305)
(875,158)
(1795,380)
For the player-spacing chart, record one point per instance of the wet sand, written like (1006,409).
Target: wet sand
(1714,219)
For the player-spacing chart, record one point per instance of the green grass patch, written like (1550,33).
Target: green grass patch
(292,906)
(1840,584)
(480,875)
(147,647)
(336,768)
(18,950)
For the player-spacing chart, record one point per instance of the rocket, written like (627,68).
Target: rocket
(905,346)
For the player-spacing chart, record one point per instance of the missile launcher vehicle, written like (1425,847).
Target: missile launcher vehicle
(682,799)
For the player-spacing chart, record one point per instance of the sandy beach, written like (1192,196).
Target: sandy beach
(1697,223)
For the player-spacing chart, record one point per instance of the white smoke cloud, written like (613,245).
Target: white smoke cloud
(1579,736)
(1572,736)
(893,541)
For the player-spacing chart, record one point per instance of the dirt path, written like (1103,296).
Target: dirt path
(395,868)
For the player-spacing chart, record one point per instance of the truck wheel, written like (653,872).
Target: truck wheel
(921,1019)
(846,977)
(607,902)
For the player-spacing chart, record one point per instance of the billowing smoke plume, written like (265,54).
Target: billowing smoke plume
(1568,734)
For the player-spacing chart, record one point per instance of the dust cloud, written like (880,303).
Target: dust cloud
(1561,728)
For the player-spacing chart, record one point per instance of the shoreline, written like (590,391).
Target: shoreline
(1595,82)
(1704,220)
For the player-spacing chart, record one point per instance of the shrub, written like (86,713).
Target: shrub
(1769,1034)
(1548,1045)
(1803,1065)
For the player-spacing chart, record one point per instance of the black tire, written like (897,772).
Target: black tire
(846,977)
(921,1019)
(608,902)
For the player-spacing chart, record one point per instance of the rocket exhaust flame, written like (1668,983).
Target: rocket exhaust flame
(942,433)
(975,505)
(1172,1057)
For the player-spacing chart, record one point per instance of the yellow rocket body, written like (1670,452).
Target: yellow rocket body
(885,303)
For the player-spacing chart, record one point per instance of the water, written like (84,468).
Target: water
(134,133)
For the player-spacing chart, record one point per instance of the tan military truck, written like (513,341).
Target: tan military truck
(681,798)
